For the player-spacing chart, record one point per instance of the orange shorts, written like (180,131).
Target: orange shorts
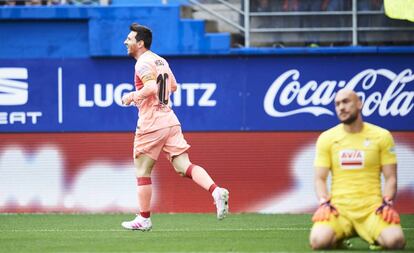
(170,140)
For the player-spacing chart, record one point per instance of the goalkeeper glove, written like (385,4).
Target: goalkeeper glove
(387,212)
(324,210)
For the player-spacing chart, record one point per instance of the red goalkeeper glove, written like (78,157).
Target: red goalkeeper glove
(387,212)
(324,211)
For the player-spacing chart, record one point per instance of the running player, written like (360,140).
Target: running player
(158,128)
(356,153)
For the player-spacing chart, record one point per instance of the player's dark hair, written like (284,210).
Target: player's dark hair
(143,33)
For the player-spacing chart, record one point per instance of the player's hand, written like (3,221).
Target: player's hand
(127,98)
(324,211)
(387,212)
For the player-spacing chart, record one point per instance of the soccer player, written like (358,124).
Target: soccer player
(356,153)
(158,128)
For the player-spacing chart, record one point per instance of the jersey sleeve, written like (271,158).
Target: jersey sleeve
(322,155)
(145,71)
(387,147)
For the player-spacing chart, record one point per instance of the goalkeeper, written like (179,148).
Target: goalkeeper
(356,153)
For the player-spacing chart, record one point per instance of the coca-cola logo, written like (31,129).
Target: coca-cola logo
(312,97)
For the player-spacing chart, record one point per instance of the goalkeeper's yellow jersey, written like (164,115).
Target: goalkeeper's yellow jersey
(355,161)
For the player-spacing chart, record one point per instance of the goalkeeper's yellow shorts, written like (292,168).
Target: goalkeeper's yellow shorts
(368,227)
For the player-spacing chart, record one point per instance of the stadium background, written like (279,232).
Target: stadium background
(252,115)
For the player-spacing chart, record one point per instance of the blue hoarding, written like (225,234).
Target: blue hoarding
(222,93)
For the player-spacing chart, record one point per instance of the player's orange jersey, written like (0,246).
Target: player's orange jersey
(155,111)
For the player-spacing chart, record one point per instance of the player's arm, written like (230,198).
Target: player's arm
(390,180)
(325,208)
(389,170)
(322,167)
(150,88)
(388,164)
(386,210)
(321,175)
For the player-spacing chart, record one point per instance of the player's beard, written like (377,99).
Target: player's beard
(351,119)
(132,51)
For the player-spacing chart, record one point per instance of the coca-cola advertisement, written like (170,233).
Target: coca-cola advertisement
(313,98)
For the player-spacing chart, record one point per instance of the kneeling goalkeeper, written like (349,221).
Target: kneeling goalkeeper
(355,153)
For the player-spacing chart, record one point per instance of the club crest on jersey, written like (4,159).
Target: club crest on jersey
(351,159)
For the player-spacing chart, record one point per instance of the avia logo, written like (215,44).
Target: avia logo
(351,159)
(351,154)
(12,91)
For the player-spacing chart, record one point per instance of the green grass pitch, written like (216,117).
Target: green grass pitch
(171,233)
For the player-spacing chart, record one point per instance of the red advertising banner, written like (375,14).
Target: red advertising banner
(269,172)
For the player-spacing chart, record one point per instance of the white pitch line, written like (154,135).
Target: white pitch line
(163,230)
(189,251)
(156,230)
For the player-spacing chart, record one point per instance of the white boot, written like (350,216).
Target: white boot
(139,223)
(221,199)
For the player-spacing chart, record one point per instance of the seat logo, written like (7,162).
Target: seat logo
(13,88)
